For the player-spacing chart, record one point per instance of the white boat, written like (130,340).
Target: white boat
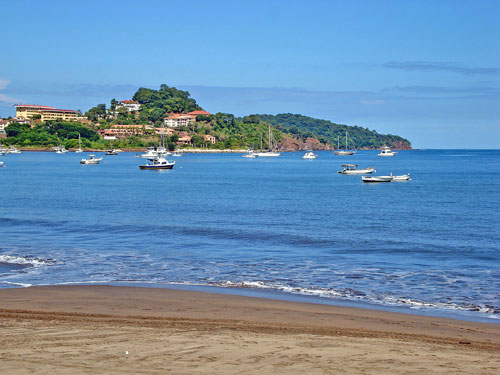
(91,160)
(177,153)
(1,163)
(158,163)
(250,154)
(14,150)
(351,169)
(345,151)
(79,149)
(60,150)
(403,177)
(111,152)
(377,178)
(150,153)
(309,155)
(272,147)
(4,151)
(386,151)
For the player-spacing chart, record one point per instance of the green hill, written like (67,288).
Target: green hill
(303,127)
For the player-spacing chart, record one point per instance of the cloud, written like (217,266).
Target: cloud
(4,99)
(429,66)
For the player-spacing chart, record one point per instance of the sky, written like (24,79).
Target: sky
(426,70)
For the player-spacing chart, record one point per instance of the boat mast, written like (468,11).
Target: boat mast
(346,147)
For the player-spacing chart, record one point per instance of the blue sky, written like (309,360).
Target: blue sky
(425,70)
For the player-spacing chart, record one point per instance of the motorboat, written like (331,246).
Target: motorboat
(351,169)
(250,154)
(150,153)
(1,163)
(91,160)
(158,163)
(111,152)
(345,151)
(14,150)
(4,151)
(403,177)
(177,153)
(309,155)
(377,178)
(386,151)
(60,150)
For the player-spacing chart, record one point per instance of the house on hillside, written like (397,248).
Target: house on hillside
(130,105)
(209,138)
(184,138)
(174,120)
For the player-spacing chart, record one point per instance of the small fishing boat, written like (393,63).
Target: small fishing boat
(177,153)
(111,152)
(91,160)
(4,151)
(386,151)
(309,155)
(351,169)
(14,150)
(158,163)
(377,178)
(403,177)
(1,163)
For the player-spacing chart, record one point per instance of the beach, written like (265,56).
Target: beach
(109,329)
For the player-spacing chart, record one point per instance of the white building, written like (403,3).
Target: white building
(131,105)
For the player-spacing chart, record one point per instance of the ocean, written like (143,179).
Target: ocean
(280,227)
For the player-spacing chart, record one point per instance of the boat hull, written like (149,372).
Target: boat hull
(344,153)
(169,166)
(377,178)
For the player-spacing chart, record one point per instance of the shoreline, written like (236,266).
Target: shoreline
(62,329)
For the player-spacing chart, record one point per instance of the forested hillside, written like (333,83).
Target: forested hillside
(328,132)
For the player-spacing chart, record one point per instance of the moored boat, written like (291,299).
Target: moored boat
(386,151)
(14,150)
(351,169)
(91,160)
(377,178)
(111,152)
(403,177)
(309,155)
(345,151)
(158,163)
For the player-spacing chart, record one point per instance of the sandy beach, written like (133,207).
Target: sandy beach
(107,329)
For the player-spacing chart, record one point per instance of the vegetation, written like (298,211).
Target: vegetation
(291,131)
(328,132)
(156,103)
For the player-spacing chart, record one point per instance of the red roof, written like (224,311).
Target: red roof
(129,102)
(196,113)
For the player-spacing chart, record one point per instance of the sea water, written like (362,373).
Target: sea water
(279,227)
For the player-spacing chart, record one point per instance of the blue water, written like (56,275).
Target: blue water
(282,226)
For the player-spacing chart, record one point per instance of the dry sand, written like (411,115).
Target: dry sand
(89,329)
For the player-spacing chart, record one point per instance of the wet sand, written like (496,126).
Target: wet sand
(90,329)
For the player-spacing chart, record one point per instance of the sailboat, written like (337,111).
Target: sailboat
(346,151)
(79,149)
(272,148)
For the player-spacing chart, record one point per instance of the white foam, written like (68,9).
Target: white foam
(27,261)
